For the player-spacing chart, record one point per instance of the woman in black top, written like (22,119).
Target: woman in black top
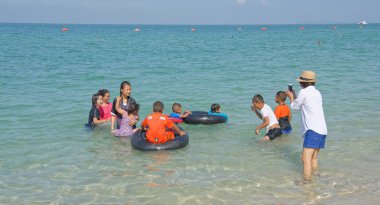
(121,104)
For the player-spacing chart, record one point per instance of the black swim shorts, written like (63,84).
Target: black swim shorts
(274,133)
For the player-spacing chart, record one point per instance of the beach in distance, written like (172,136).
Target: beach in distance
(48,75)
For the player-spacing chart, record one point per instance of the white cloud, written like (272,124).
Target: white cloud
(240,2)
(264,2)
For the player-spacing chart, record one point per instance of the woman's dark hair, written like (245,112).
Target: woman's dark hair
(103,92)
(95,98)
(307,84)
(124,83)
(133,108)
(215,107)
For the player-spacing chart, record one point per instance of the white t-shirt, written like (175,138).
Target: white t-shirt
(266,111)
(309,100)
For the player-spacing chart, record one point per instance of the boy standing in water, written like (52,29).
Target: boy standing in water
(269,119)
(282,112)
(314,129)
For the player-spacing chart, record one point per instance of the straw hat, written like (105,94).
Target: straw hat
(307,76)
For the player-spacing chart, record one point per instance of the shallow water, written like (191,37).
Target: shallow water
(48,77)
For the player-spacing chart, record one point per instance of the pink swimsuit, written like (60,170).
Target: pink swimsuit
(105,111)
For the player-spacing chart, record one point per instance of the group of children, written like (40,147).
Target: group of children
(126,114)
(124,111)
(123,114)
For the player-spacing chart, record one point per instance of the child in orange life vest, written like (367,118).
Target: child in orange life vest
(157,124)
(282,112)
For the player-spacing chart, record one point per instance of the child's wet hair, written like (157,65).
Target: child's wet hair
(258,99)
(176,106)
(103,92)
(95,98)
(158,106)
(281,95)
(215,107)
(133,108)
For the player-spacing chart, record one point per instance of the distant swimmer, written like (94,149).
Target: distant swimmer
(302,28)
(64,29)
(319,42)
(193,29)
(264,29)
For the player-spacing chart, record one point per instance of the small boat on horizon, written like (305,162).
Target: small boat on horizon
(362,22)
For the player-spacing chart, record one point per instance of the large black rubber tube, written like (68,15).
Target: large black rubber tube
(139,142)
(201,117)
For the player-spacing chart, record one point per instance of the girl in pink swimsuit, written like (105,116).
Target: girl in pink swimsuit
(106,107)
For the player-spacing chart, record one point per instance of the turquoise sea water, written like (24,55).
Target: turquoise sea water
(47,78)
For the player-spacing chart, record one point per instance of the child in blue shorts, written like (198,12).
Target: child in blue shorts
(314,129)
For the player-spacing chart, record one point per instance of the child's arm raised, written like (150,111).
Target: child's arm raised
(117,106)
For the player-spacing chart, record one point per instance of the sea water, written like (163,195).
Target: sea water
(47,78)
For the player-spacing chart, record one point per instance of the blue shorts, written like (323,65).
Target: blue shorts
(314,140)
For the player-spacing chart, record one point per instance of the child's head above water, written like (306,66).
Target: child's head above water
(158,106)
(215,107)
(133,109)
(105,94)
(280,96)
(177,108)
(97,100)
(258,101)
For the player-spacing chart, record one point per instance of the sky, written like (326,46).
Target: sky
(189,12)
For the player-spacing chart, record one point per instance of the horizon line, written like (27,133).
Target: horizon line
(154,24)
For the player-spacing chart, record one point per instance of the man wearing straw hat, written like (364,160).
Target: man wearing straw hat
(314,129)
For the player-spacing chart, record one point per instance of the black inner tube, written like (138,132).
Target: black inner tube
(139,142)
(201,117)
